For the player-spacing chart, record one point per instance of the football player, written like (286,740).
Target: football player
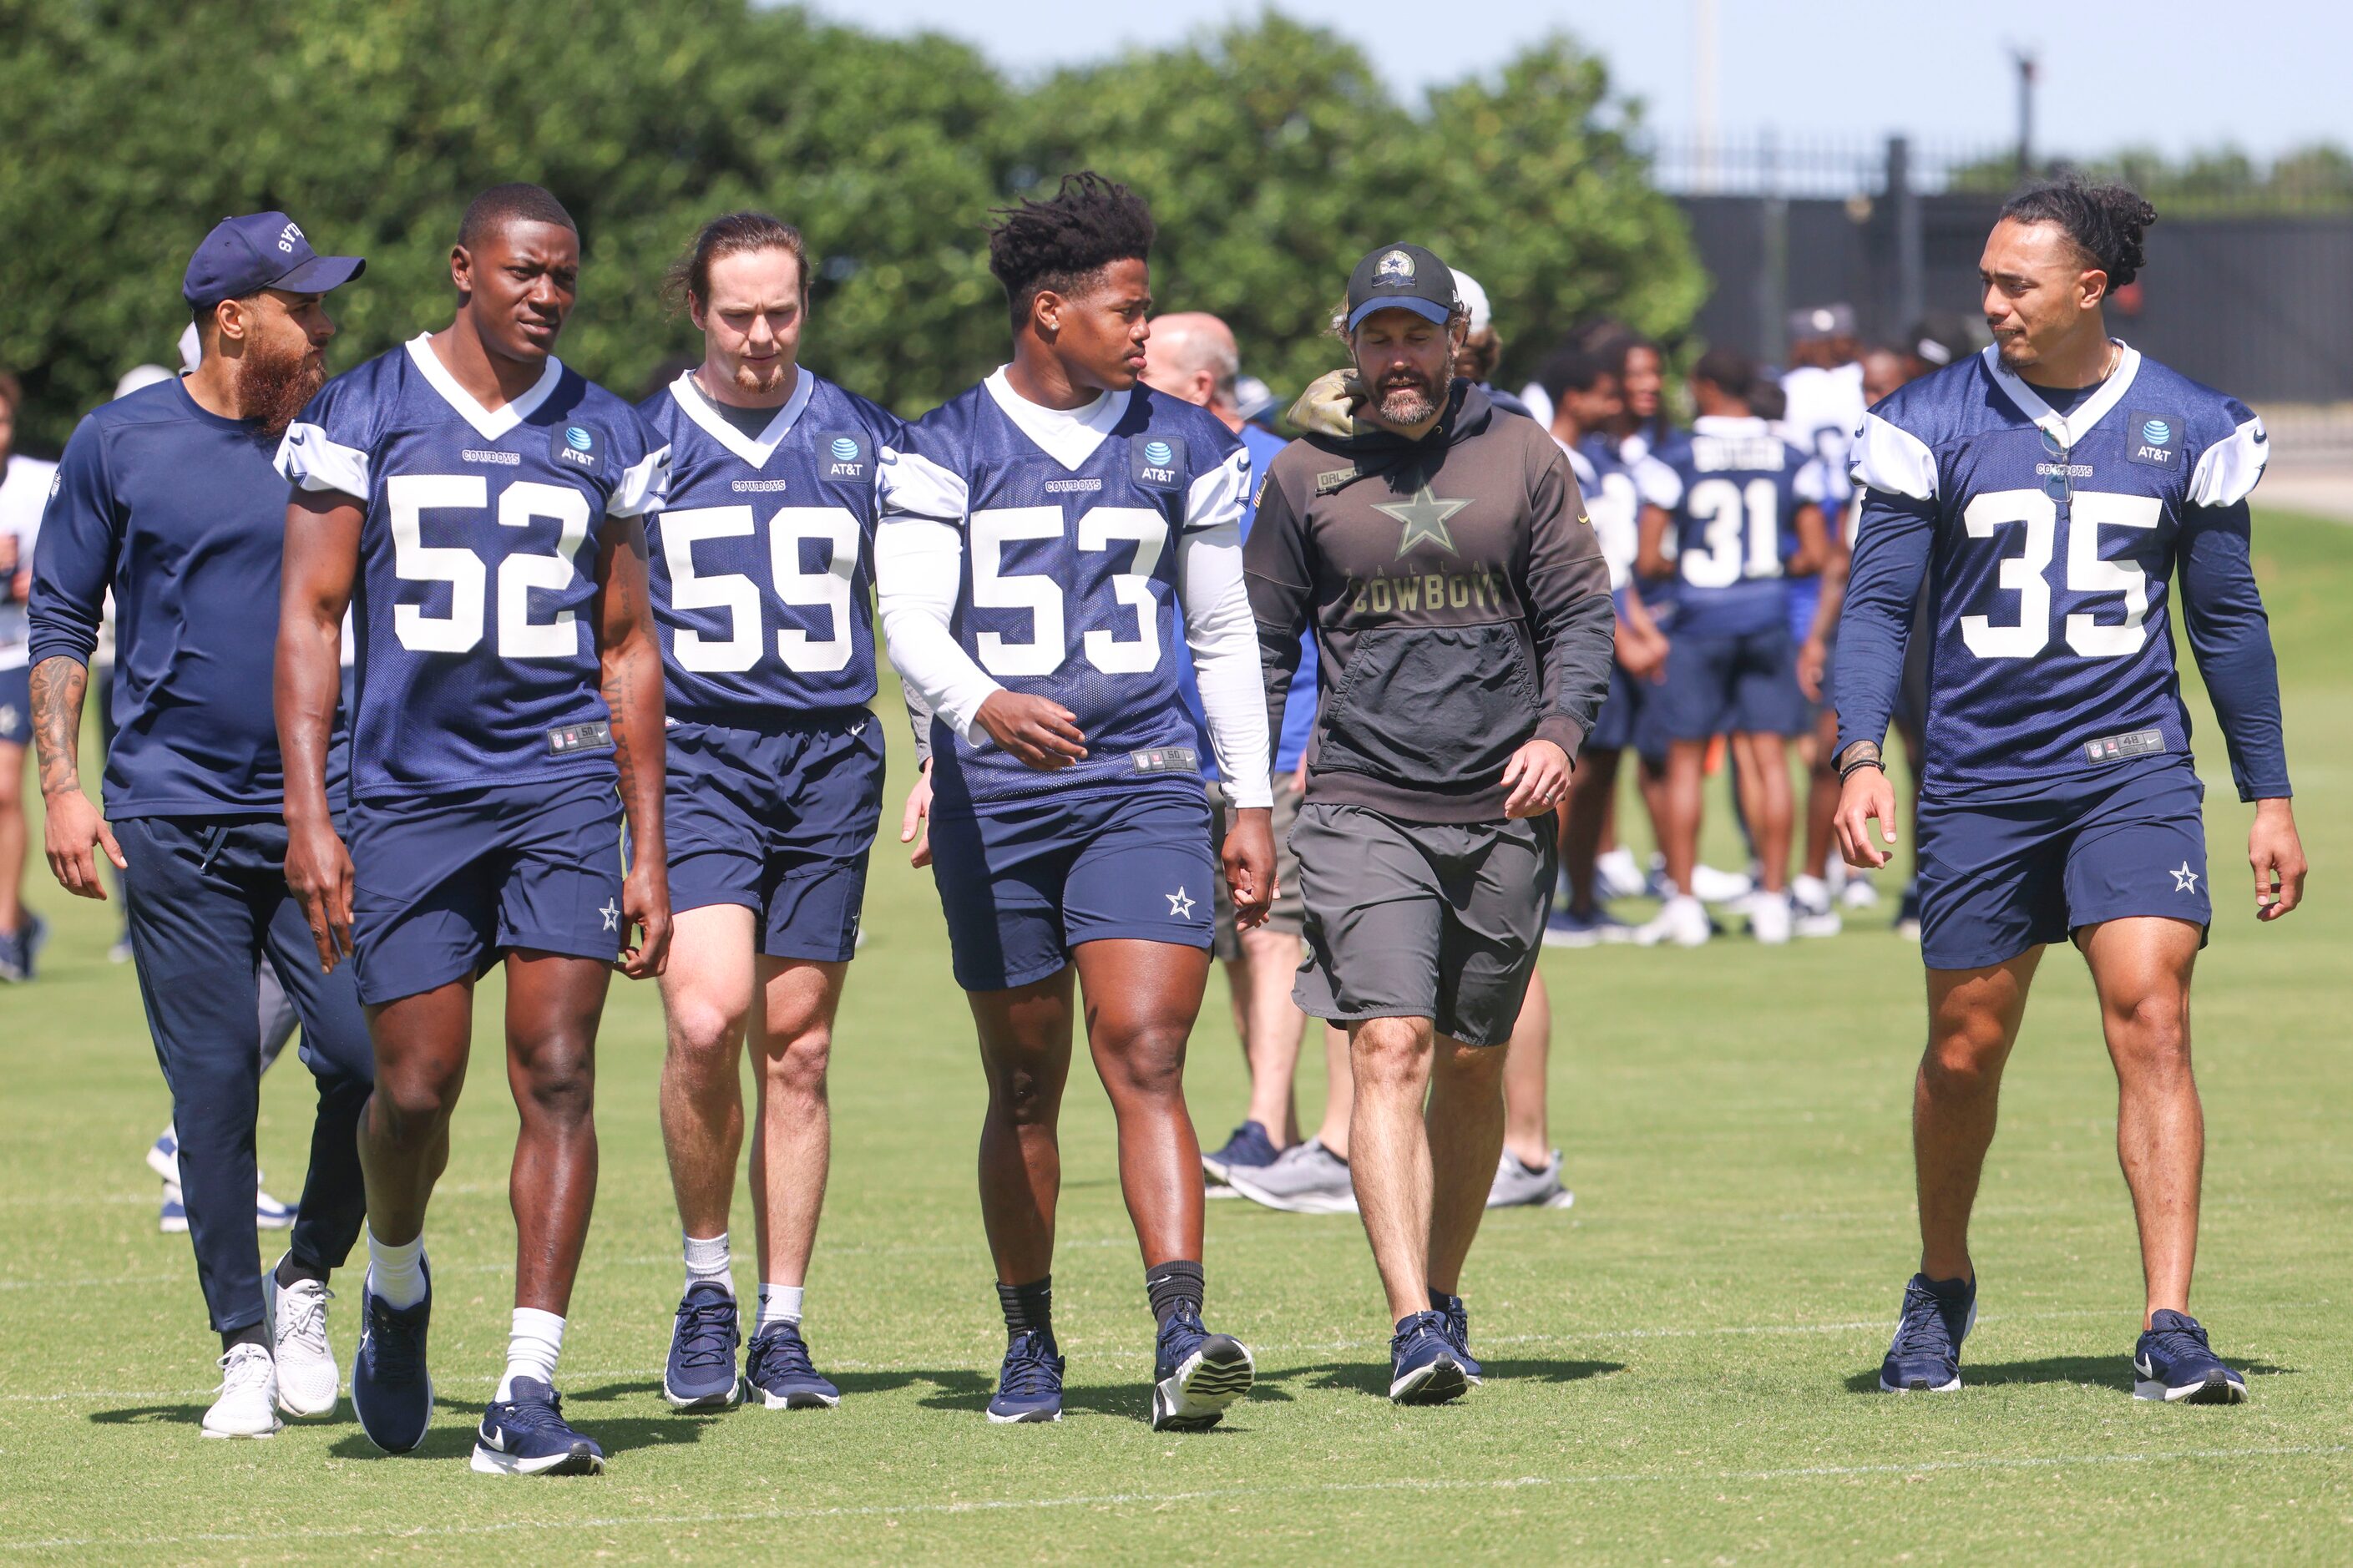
(1744,508)
(762,570)
(2048,491)
(478,506)
(1040,533)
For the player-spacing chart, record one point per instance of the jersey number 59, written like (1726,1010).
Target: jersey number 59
(789,529)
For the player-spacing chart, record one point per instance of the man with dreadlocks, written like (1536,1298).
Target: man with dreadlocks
(1039,534)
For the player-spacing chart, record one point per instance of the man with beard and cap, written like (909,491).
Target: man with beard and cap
(167,497)
(1462,608)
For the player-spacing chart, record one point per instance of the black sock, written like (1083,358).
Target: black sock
(1439,1301)
(291,1268)
(1029,1307)
(1172,1284)
(251,1334)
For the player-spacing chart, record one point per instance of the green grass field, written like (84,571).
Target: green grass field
(1678,1367)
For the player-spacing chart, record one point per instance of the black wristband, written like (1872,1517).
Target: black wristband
(1858,765)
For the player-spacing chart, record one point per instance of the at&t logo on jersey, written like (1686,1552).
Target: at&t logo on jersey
(1159,461)
(845,455)
(577,446)
(2155,441)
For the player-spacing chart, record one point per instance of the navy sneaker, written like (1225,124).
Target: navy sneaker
(1029,1388)
(1424,1366)
(526,1434)
(702,1371)
(392,1393)
(1196,1373)
(1250,1147)
(780,1373)
(1926,1355)
(1458,1332)
(2174,1362)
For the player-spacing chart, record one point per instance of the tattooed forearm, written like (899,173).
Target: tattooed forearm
(58,687)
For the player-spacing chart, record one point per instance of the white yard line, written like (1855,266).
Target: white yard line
(1150,1499)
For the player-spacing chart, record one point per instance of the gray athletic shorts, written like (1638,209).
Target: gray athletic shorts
(1289,914)
(1415,919)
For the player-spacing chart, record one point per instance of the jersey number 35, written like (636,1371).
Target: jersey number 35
(2023,574)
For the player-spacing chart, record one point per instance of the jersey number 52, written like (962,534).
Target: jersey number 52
(2022,574)
(409,496)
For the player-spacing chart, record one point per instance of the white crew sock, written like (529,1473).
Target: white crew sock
(532,1344)
(707,1262)
(778,1304)
(396,1273)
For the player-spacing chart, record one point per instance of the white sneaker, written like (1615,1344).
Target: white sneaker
(1681,920)
(1516,1186)
(307,1377)
(249,1394)
(1814,901)
(1858,893)
(1617,876)
(1711,886)
(1769,917)
(1827,923)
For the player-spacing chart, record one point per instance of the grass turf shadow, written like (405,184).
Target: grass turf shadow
(1373,1377)
(2091,1371)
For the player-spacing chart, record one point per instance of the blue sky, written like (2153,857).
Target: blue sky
(2267,74)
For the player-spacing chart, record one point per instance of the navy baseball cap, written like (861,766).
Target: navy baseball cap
(263,250)
(1401,277)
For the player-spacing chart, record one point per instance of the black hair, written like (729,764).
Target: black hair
(731,234)
(1766,399)
(1060,243)
(2105,222)
(1728,370)
(503,204)
(1572,369)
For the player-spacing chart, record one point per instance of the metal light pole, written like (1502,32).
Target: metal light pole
(2025,60)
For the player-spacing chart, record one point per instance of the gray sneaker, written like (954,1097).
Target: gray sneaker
(1516,1186)
(1307,1178)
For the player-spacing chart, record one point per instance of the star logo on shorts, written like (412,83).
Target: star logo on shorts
(612,913)
(1424,517)
(1179,905)
(2185,880)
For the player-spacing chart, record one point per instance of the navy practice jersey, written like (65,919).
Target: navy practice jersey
(1732,490)
(178,511)
(763,554)
(477,664)
(1606,483)
(1069,527)
(2048,543)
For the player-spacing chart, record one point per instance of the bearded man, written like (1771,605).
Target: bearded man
(167,497)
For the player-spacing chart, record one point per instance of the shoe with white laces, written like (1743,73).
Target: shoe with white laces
(1517,1187)
(1815,906)
(248,1395)
(1769,917)
(1682,920)
(297,1315)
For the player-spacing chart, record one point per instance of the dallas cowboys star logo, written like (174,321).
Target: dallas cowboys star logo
(2185,880)
(1179,905)
(612,913)
(1424,517)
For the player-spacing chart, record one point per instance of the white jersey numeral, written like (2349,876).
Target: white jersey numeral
(789,528)
(2024,573)
(410,496)
(1743,536)
(1101,529)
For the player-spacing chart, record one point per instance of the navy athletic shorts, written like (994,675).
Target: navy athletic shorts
(444,884)
(1024,883)
(17,706)
(1745,684)
(1998,878)
(780,822)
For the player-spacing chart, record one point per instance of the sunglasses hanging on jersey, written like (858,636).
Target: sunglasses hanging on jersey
(2061,485)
